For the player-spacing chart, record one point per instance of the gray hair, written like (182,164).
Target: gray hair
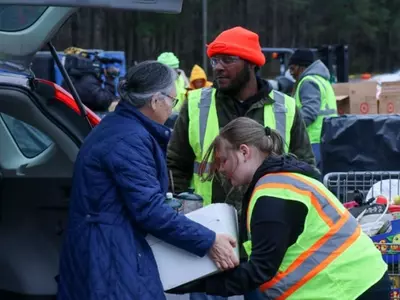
(144,80)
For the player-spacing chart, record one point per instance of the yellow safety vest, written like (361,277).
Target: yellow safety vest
(328,106)
(332,258)
(180,93)
(204,127)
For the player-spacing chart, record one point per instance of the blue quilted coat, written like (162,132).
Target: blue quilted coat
(119,186)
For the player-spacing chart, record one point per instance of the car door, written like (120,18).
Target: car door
(27,25)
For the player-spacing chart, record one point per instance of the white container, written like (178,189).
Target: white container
(177,266)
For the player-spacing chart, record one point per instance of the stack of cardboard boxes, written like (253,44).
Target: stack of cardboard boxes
(368,97)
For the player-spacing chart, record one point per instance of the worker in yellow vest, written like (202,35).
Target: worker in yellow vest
(235,56)
(181,83)
(302,243)
(198,78)
(313,93)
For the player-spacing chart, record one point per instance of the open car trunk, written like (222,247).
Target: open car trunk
(37,154)
(40,136)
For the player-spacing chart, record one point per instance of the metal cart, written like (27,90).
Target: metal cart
(343,184)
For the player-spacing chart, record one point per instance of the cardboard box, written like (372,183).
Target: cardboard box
(389,105)
(368,97)
(390,88)
(357,98)
(342,92)
(177,266)
(363,98)
(389,98)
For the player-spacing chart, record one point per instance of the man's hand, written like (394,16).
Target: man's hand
(222,252)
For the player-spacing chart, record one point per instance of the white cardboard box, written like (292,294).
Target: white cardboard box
(177,266)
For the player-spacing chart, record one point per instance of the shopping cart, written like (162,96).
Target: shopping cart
(344,184)
(391,254)
(372,184)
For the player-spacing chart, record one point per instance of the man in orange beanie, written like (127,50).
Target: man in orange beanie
(235,57)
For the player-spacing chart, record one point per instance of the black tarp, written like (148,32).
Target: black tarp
(361,143)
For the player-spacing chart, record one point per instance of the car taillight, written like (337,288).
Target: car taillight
(65,97)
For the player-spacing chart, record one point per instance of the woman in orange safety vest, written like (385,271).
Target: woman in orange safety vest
(301,241)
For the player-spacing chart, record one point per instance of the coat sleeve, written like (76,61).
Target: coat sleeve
(134,169)
(310,98)
(180,155)
(300,142)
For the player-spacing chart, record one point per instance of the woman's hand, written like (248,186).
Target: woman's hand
(222,252)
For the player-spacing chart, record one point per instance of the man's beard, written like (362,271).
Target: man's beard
(242,78)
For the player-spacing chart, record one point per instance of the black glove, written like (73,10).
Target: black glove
(191,287)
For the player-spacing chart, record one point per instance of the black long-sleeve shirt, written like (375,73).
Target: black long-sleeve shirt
(275,226)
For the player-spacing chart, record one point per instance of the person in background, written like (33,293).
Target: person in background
(119,197)
(235,57)
(94,85)
(111,74)
(198,79)
(237,92)
(181,83)
(95,94)
(313,93)
(302,243)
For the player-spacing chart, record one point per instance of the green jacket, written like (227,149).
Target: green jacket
(180,155)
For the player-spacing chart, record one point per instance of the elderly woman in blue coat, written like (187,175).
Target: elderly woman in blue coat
(118,197)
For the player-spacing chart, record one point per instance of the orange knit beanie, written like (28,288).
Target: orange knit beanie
(240,42)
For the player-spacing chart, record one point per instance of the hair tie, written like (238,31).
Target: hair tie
(267,131)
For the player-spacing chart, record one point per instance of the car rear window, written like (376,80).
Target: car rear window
(19,17)
(30,141)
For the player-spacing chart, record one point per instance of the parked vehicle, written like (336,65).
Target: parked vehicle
(41,130)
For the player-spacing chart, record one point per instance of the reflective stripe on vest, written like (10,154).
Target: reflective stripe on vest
(280,111)
(327,108)
(313,260)
(204,106)
(326,209)
(204,127)
(279,118)
(204,110)
(309,264)
(201,105)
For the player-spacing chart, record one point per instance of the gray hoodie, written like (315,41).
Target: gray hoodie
(310,95)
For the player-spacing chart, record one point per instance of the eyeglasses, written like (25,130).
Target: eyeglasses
(174,100)
(223,60)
